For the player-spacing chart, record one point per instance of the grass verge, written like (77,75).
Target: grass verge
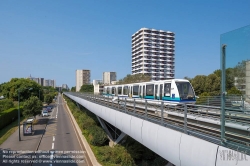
(6,132)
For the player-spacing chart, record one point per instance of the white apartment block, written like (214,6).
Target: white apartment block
(82,77)
(65,86)
(51,83)
(108,77)
(153,53)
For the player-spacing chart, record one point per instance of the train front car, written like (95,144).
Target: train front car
(183,91)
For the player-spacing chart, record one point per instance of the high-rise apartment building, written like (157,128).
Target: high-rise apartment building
(108,77)
(65,86)
(49,82)
(82,77)
(41,81)
(153,53)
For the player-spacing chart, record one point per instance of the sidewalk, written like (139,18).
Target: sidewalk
(27,145)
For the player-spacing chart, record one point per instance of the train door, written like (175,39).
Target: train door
(131,92)
(167,90)
(161,90)
(143,91)
(156,92)
(140,91)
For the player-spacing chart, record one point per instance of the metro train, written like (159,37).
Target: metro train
(171,90)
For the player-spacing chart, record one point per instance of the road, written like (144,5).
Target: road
(60,144)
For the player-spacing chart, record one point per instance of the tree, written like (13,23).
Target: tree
(234,91)
(87,88)
(11,88)
(73,89)
(65,90)
(212,84)
(134,79)
(6,104)
(198,83)
(48,98)
(32,106)
(229,77)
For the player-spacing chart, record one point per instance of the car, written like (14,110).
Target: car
(49,109)
(30,120)
(45,113)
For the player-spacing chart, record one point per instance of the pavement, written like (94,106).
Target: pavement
(25,152)
(12,148)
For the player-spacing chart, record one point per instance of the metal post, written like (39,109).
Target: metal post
(19,115)
(185,118)
(243,99)
(118,102)
(112,103)
(223,92)
(161,112)
(125,104)
(146,108)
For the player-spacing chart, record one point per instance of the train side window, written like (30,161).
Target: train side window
(107,90)
(150,90)
(119,90)
(167,88)
(125,90)
(135,90)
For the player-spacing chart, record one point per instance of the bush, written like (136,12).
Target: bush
(117,155)
(6,104)
(97,136)
(86,122)
(8,116)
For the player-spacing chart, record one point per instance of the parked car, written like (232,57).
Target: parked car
(45,113)
(30,120)
(49,109)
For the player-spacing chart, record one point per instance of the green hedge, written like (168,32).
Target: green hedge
(8,116)
(6,104)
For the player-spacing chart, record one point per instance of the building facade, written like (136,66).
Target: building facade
(43,82)
(82,77)
(108,77)
(49,82)
(65,86)
(153,53)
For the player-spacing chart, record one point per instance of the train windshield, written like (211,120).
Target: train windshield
(185,91)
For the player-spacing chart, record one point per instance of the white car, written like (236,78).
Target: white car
(45,113)
(30,120)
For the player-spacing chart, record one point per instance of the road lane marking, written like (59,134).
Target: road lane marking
(74,127)
(52,145)
(53,138)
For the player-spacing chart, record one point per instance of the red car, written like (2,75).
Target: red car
(49,109)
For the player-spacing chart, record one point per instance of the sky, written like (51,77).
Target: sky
(51,39)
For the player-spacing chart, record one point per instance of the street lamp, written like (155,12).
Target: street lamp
(39,94)
(19,112)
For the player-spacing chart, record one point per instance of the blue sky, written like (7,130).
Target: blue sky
(53,38)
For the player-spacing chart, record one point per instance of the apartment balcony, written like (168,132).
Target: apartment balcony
(170,60)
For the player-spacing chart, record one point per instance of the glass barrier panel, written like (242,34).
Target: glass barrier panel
(237,86)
